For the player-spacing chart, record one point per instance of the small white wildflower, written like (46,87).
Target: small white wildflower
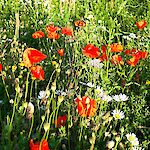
(132,35)
(99,91)
(116,98)
(117,114)
(11,101)
(99,21)
(120,97)
(96,63)
(90,84)
(42,95)
(90,16)
(137,148)
(110,144)
(106,97)
(123,97)
(60,92)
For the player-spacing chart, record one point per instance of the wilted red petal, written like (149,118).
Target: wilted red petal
(61,52)
(141,24)
(104,48)
(103,57)
(61,121)
(117,59)
(32,56)
(116,47)
(86,106)
(38,34)
(36,146)
(67,31)
(91,51)
(1,67)
(37,72)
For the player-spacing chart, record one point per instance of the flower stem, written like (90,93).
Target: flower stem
(31,127)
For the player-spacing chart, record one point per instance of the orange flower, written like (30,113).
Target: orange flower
(52,28)
(61,52)
(79,23)
(141,24)
(86,106)
(116,47)
(38,34)
(133,61)
(37,72)
(61,121)
(67,31)
(53,35)
(91,51)
(1,67)
(116,59)
(32,56)
(36,146)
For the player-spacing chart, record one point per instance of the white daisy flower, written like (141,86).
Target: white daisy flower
(132,139)
(96,63)
(42,95)
(117,114)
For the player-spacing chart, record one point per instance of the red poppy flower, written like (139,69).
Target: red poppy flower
(36,146)
(61,121)
(1,67)
(37,72)
(67,31)
(141,24)
(86,106)
(53,35)
(133,61)
(32,56)
(61,52)
(52,28)
(38,34)
(117,59)
(91,51)
(116,47)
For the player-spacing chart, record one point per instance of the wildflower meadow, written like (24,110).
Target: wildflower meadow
(74,74)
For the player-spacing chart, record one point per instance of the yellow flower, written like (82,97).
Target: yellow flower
(148,82)
(21,64)
(14,68)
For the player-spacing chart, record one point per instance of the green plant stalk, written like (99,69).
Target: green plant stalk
(31,89)
(27,82)
(5,88)
(31,127)
(14,106)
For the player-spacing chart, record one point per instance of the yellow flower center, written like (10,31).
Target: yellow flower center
(117,116)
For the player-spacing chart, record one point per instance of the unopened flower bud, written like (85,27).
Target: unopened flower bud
(46,126)
(110,144)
